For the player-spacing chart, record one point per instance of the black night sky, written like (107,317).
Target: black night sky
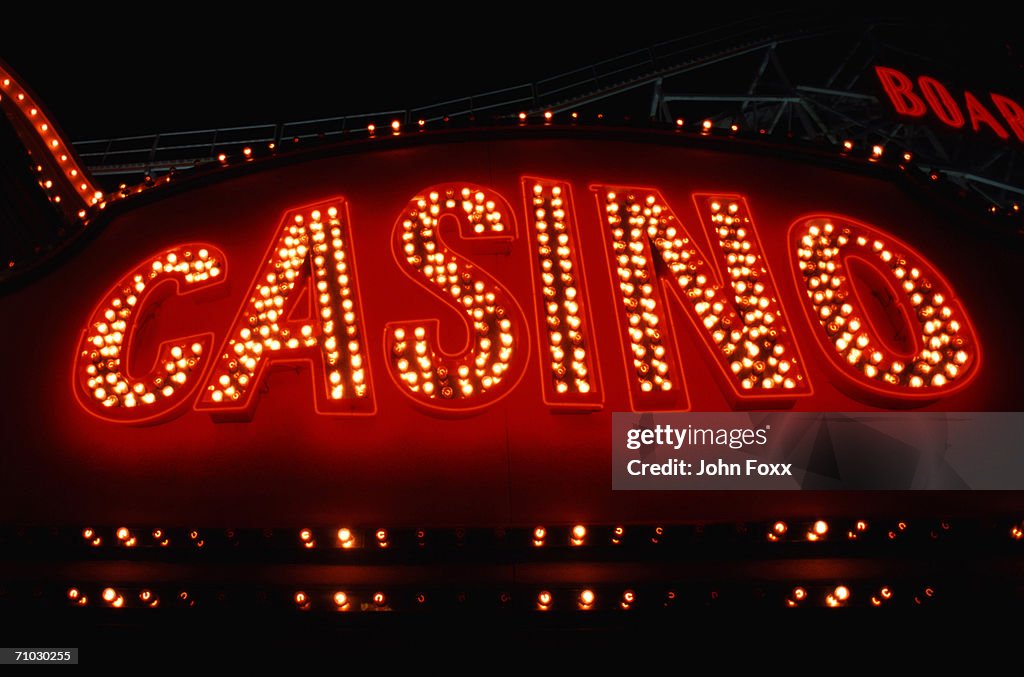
(103,76)
(247,73)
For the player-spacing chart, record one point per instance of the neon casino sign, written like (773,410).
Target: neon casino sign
(303,305)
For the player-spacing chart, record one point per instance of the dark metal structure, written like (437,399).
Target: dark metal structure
(811,82)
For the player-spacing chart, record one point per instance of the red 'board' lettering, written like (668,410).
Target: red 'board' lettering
(932,95)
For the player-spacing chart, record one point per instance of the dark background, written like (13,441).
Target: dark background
(111,73)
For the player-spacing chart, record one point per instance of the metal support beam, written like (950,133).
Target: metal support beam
(725,98)
(657,98)
(835,106)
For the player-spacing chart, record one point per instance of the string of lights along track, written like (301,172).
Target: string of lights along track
(849,535)
(69,187)
(556,599)
(640,543)
(881,154)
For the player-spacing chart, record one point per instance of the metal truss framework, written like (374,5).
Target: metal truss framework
(765,81)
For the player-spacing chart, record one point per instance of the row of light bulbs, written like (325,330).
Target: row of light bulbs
(576,535)
(572,363)
(71,180)
(545,600)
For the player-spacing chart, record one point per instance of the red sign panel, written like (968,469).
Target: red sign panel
(436,334)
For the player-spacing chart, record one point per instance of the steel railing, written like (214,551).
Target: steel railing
(167,150)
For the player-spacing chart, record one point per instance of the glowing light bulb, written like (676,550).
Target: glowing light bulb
(838,597)
(817,530)
(796,596)
(579,533)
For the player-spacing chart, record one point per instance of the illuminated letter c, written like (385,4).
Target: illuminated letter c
(106,385)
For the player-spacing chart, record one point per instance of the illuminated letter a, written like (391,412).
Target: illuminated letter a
(311,254)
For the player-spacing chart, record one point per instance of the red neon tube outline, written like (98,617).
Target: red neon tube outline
(478,243)
(148,413)
(307,356)
(593,400)
(890,394)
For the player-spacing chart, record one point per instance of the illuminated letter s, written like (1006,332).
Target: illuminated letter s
(497,349)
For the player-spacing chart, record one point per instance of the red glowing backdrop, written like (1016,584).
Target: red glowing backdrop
(431,334)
